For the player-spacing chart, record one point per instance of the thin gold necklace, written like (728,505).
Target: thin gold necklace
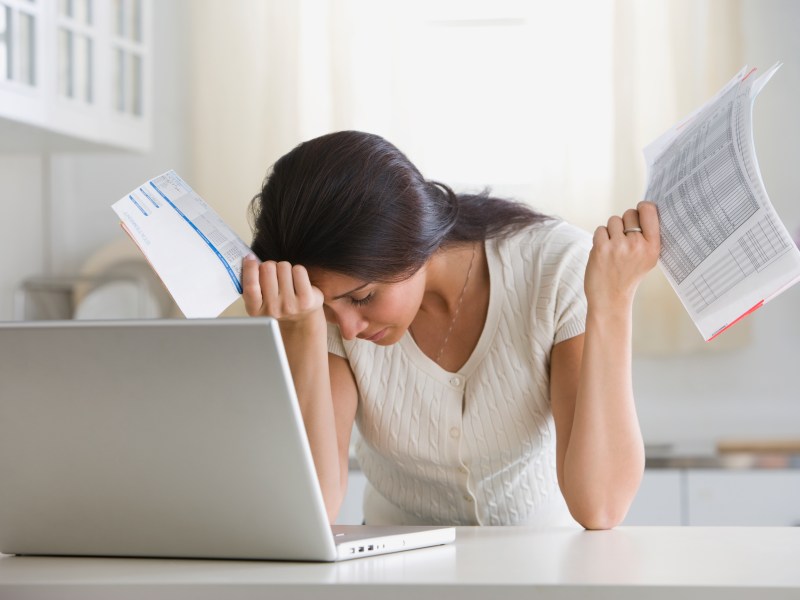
(458,308)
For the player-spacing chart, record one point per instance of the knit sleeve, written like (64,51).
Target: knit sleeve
(335,343)
(572,245)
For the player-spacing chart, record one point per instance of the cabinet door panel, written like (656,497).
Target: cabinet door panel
(658,501)
(765,498)
(352,510)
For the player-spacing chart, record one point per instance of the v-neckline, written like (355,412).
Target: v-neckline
(487,333)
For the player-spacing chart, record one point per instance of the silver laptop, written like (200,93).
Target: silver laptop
(164,438)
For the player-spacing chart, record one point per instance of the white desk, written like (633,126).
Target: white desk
(486,563)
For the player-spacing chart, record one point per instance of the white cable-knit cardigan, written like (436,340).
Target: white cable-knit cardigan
(475,447)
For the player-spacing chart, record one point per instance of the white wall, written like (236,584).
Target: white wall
(21,245)
(748,392)
(85,185)
(754,391)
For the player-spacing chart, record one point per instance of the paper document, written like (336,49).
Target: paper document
(723,247)
(196,255)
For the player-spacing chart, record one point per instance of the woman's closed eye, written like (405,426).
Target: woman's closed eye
(362,301)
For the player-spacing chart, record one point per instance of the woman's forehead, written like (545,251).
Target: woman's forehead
(333,283)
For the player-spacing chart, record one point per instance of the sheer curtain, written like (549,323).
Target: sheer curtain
(546,102)
(670,56)
(498,94)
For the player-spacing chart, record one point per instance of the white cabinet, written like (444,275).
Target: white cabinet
(659,500)
(75,75)
(352,511)
(759,497)
(707,497)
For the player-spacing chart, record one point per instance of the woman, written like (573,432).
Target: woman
(491,381)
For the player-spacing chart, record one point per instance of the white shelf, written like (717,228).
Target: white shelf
(85,81)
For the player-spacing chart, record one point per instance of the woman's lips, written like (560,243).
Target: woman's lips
(377,336)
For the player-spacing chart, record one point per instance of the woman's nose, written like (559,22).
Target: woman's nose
(351,323)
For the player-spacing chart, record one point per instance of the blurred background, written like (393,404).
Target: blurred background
(549,102)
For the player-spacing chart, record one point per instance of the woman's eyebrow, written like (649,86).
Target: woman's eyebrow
(351,291)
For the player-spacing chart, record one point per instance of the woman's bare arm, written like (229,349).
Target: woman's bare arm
(600,453)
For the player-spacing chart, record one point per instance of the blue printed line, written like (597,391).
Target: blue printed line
(149,197)
(139,206)
(234,278)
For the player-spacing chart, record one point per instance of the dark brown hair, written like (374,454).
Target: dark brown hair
(352,203)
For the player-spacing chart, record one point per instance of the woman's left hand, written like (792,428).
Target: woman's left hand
(618,260)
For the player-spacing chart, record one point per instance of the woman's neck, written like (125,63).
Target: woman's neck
(452,274)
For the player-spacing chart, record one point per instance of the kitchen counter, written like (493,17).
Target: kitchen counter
(722,456)
(488,562)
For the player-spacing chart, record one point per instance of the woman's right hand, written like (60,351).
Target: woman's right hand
(279,290)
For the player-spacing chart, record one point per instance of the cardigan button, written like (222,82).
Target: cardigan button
(456,381)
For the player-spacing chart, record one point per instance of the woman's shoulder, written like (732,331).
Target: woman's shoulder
(548,236)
